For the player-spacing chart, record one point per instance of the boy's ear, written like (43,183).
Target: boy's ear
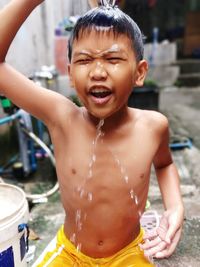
(70,76)
(141,72)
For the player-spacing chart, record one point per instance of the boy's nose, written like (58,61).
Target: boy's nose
(98,71)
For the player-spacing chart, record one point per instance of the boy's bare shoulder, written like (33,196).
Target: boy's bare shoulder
(63,111)
(152,119)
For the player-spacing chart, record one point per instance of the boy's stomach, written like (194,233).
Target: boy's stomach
(104,229)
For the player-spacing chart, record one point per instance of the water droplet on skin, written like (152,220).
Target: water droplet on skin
(136,200)
(140,213)
(90,196)
(78,216)
(101,123)
(122,170)
(94,143)
(90,174)
(73,238)
(132,194)
(94,158)
(79,226)
(126,179)
(99,131)
(90,164)
(82,193)
(78,248)
(78,189)
(78,220)
(114,48)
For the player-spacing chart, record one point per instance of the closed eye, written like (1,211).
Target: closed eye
(114,60)
(83,61)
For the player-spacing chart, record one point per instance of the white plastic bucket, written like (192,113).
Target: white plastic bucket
(13,231)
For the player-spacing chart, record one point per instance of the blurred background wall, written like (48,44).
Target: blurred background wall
(34,43)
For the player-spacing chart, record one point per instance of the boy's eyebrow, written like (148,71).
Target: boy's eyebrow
(83,52)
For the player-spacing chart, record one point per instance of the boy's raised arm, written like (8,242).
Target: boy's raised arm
(12,17)
(24,93)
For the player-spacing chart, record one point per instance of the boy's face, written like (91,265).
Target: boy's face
(104,70)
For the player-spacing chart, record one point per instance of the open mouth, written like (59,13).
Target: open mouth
(100,93)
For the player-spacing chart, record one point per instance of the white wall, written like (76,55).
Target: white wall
(34,43)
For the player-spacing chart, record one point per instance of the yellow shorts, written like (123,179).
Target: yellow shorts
(65,254)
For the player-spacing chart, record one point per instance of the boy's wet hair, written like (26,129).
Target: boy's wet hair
(108,19)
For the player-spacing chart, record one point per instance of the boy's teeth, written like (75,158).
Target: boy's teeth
(100,93)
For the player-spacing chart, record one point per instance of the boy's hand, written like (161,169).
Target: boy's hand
(162,242)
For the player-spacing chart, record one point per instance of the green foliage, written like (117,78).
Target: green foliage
(178,83)
(74,98)
(150,83)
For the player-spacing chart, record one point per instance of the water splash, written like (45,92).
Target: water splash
(132,194)
(73,238)
(125,176)
(99,133)
(136,200)
(82,193)
(78,248)
(80,217)
(90,196)
(78,220)
(108,3)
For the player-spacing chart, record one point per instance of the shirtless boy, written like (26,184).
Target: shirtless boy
(103,173)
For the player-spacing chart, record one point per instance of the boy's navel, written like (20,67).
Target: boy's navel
(100,243)
(73,171)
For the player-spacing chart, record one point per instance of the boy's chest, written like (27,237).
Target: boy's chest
(121,161)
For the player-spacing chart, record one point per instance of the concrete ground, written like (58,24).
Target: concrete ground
(182,107)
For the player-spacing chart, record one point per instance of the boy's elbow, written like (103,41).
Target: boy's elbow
(163,165)
(2,60)
(3,53)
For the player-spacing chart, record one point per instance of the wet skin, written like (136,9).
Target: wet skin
(106,63)
(102,212)
(109,216)
(102,216)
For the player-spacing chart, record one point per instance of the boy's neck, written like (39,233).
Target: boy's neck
(117,119)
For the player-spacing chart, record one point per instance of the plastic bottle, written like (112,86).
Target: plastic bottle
(60,51)
(6,104)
